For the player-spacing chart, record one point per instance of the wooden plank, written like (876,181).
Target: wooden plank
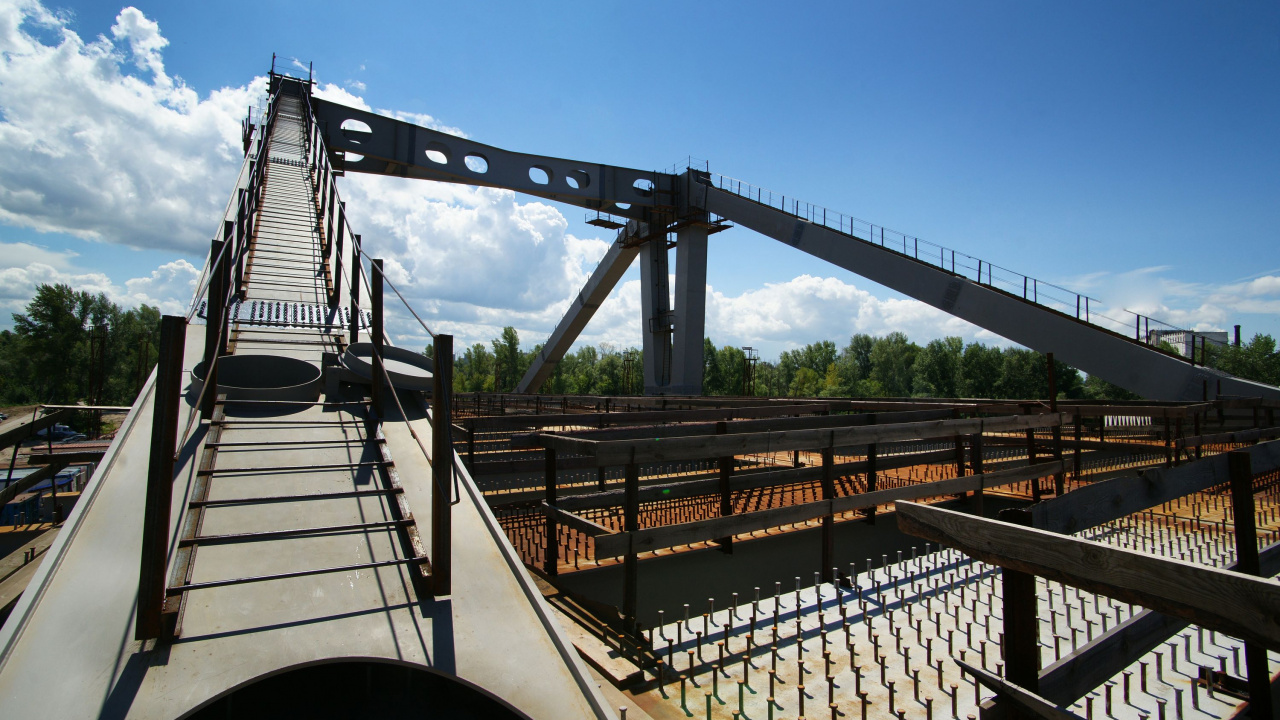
(1238,605)
(623,452)
(28,430)
(1024,700)
(21,485)
(516,422)
(1092,664)
(1107,500)
(704,530)
(950,486)
(650,432)
(1240,436)
(746,480)
(577,522)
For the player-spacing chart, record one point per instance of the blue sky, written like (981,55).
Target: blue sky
(1127,150)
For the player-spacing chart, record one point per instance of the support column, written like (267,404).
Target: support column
(690,311)
(1257,666)
(655,315)
(1021,626)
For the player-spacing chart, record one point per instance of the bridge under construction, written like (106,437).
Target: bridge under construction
(299,518)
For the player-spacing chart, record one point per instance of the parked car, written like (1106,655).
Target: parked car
(59,433)
(3,417)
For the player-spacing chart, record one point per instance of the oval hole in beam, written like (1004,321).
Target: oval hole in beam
(352,157)
(577,179)
(643,187)
(540,174)
(476,163)
(438,153)
(355,126)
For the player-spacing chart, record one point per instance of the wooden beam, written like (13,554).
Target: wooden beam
(577,522)
(1024,700)
(621,452)
(600,420)
(705,530)
(746,480)
(1106,500)
(1092,664)
(650,432)
(1235,604)
(1240,436)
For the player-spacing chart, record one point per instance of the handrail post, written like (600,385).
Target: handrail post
(355,290)
(166,401)
(212,328)
(442,465)
(375,335)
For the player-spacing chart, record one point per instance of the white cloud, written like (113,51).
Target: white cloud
(19,254)
(168,287)
(96,140)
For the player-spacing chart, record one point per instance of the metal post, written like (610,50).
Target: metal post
(726,497)
(375,293)
(550,559)
(631,523)
(828,520)
(1240,469)
(1021,627)
(212,328)
(164,438)
(355,290)
(871,471)
(1031,460)
(1059,478)
(975,459)
(441,464)
(1076,470)
(335,296)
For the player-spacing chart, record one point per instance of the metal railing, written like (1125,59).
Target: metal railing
(1126,323)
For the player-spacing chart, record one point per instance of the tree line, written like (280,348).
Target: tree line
(868,366)
(49,357)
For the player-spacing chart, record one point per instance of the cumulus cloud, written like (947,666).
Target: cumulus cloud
(168,287)
(98,141)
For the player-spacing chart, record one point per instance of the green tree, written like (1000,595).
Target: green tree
(979,371)
(937,368)
(893,360)
(510,363)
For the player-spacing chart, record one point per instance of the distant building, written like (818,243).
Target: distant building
(1184,340)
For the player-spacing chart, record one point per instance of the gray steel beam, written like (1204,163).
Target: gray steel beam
(1120,360)
(402,149)
(602,281)
(655,315)
(690,310)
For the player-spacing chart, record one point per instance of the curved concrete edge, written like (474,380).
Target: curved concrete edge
(558,636)
(12,630)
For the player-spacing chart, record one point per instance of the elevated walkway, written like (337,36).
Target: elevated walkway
(294,540)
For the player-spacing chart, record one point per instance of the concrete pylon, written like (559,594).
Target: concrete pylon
(690,310)
(655,315)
